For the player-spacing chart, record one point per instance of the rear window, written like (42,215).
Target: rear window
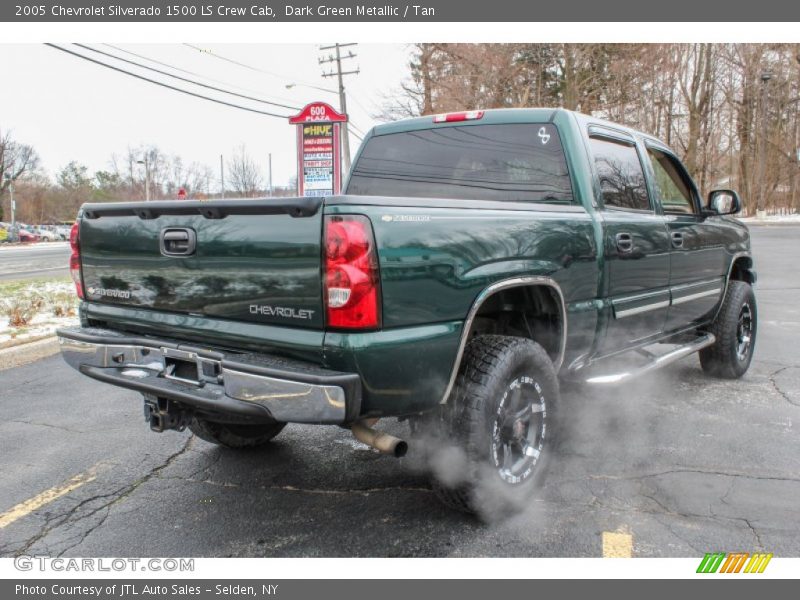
(515,163)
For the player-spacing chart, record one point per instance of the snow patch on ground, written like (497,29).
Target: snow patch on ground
(44,322)
(753,220)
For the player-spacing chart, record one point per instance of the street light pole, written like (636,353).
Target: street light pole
(13,210)
(270,174)
(146,164)
(762,154)
(9,176)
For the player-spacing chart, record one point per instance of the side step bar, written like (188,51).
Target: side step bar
(656,363)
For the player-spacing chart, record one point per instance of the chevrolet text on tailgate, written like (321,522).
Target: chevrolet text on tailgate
(474,260)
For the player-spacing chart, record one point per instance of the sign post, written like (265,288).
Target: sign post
(319,160)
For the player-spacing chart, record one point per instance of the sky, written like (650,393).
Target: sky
(70,109)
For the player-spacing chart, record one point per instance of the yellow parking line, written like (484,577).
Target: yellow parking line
(617,544)
(28,506)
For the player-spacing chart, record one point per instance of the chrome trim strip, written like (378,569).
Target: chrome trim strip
(488,292)
(626,299)
(629,312)
(688,286)
(696,296)
(658,362)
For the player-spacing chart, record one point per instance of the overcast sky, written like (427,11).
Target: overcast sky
(71,109)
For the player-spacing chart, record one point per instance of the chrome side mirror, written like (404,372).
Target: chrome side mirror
(723,202)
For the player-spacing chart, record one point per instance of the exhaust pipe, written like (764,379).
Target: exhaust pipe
(380,440)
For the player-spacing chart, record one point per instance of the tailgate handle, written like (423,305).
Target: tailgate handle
(178,241)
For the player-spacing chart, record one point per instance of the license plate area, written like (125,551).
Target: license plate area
(182,366)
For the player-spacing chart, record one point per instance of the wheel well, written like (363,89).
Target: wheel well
(532,311)
(742,270)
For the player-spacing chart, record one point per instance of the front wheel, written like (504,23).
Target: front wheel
(500,421)
(234,436)
(735,329)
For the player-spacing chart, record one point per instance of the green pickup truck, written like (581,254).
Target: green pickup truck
(474,260)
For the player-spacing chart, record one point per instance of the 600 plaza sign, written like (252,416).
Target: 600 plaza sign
(319,171)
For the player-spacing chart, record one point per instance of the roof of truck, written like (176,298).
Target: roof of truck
(493,116)
(498,116)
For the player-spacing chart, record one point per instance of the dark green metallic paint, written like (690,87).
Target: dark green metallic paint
(435,258)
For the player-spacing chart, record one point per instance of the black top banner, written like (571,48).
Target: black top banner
(425,10)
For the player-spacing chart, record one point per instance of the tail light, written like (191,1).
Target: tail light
(75,258)
(351,280)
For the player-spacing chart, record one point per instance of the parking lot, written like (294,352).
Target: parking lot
(674,464)
(46,259)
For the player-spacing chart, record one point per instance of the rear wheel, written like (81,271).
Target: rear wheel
(500,423)
(234,436)
(735,329)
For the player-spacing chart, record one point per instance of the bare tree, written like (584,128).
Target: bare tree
(16,161)
(730,111)
(243,173)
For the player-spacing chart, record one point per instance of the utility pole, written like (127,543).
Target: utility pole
(270,174)
(762,154)
(222,176)
(338,58)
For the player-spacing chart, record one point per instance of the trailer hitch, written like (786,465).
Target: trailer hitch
(163,414)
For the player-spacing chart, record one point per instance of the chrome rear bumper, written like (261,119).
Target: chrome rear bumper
(251,386)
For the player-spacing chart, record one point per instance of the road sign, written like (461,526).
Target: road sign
(319,171)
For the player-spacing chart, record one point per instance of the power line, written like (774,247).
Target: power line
(213,54)
(178,77)
(165,85)
(358,129)
(173,67)
(278,75)
(236,62)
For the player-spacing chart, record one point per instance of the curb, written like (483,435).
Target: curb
(23,354)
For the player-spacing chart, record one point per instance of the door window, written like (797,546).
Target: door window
(671,184)
(620,173)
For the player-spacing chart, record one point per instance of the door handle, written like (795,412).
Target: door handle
(178,241)
(624,242)
(677,239)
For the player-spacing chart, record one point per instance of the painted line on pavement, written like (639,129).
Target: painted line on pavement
(25,508)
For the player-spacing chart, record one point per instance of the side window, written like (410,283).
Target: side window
(621,176)
(671,186)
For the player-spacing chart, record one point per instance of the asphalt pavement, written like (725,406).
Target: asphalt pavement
(674,464)
(32,261)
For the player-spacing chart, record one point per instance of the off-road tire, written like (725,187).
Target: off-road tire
(724,359)
(234,436)
(491,364)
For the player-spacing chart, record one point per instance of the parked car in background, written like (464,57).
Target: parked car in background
(62,231)
(26,237)
(45,233)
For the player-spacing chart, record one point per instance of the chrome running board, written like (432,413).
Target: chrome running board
(656,362)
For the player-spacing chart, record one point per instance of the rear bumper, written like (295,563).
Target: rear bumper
(248,386)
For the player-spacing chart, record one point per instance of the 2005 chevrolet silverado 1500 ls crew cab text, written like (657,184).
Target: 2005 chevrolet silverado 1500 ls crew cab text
(473,260)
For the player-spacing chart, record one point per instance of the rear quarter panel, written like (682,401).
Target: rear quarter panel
(435,258)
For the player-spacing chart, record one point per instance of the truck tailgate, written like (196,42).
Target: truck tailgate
(244,260)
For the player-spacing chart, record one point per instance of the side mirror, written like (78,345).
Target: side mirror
(723,202)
